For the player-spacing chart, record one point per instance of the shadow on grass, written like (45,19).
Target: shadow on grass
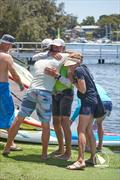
(36,159)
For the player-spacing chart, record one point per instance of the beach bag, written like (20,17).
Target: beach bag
(100,110)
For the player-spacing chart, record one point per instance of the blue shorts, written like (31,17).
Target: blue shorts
(39,100)
(87,109)
(6,106)
(108,107)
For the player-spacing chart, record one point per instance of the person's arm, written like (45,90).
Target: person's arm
(14,74)
(80,83)
(54,73)
(39,56)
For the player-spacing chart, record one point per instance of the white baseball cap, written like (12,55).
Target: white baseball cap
(45,44)
(58,42)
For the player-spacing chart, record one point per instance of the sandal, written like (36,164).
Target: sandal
(76,166)
(15,148)
(55,153)
(64,157)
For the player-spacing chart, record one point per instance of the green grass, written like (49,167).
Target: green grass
(27,165)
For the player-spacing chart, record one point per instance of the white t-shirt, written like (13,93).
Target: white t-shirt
(40,79)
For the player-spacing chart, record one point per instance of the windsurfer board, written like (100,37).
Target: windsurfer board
(34,136)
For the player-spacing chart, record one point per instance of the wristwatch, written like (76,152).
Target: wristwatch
(58,77)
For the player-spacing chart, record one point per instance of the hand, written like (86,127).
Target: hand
(70,75)
(56,55)
(51,71)
(71,122)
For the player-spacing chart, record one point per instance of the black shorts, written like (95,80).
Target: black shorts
(62,102)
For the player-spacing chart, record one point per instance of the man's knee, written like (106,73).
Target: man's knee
(19,119)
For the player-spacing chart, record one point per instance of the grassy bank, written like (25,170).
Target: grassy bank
(27,165)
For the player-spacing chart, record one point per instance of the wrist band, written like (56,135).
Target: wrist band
(21,85)
(58,77)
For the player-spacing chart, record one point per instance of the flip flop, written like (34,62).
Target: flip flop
(55,154)
(76,166)
(62,157)
(15,148)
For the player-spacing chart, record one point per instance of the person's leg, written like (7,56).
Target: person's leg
(13,146)
(100,132)
(45,138)
(67,133)
(56,99)
(27,107)
(91,139)
(65,111)
(59,134)
(82,126)
(12,133)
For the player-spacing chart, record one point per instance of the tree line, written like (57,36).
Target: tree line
(34,20)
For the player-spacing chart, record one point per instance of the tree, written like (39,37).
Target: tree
(108,25)
(88,21)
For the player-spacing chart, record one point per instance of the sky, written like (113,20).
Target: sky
(96,8)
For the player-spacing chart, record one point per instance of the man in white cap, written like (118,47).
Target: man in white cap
(45,45)
(6,101)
